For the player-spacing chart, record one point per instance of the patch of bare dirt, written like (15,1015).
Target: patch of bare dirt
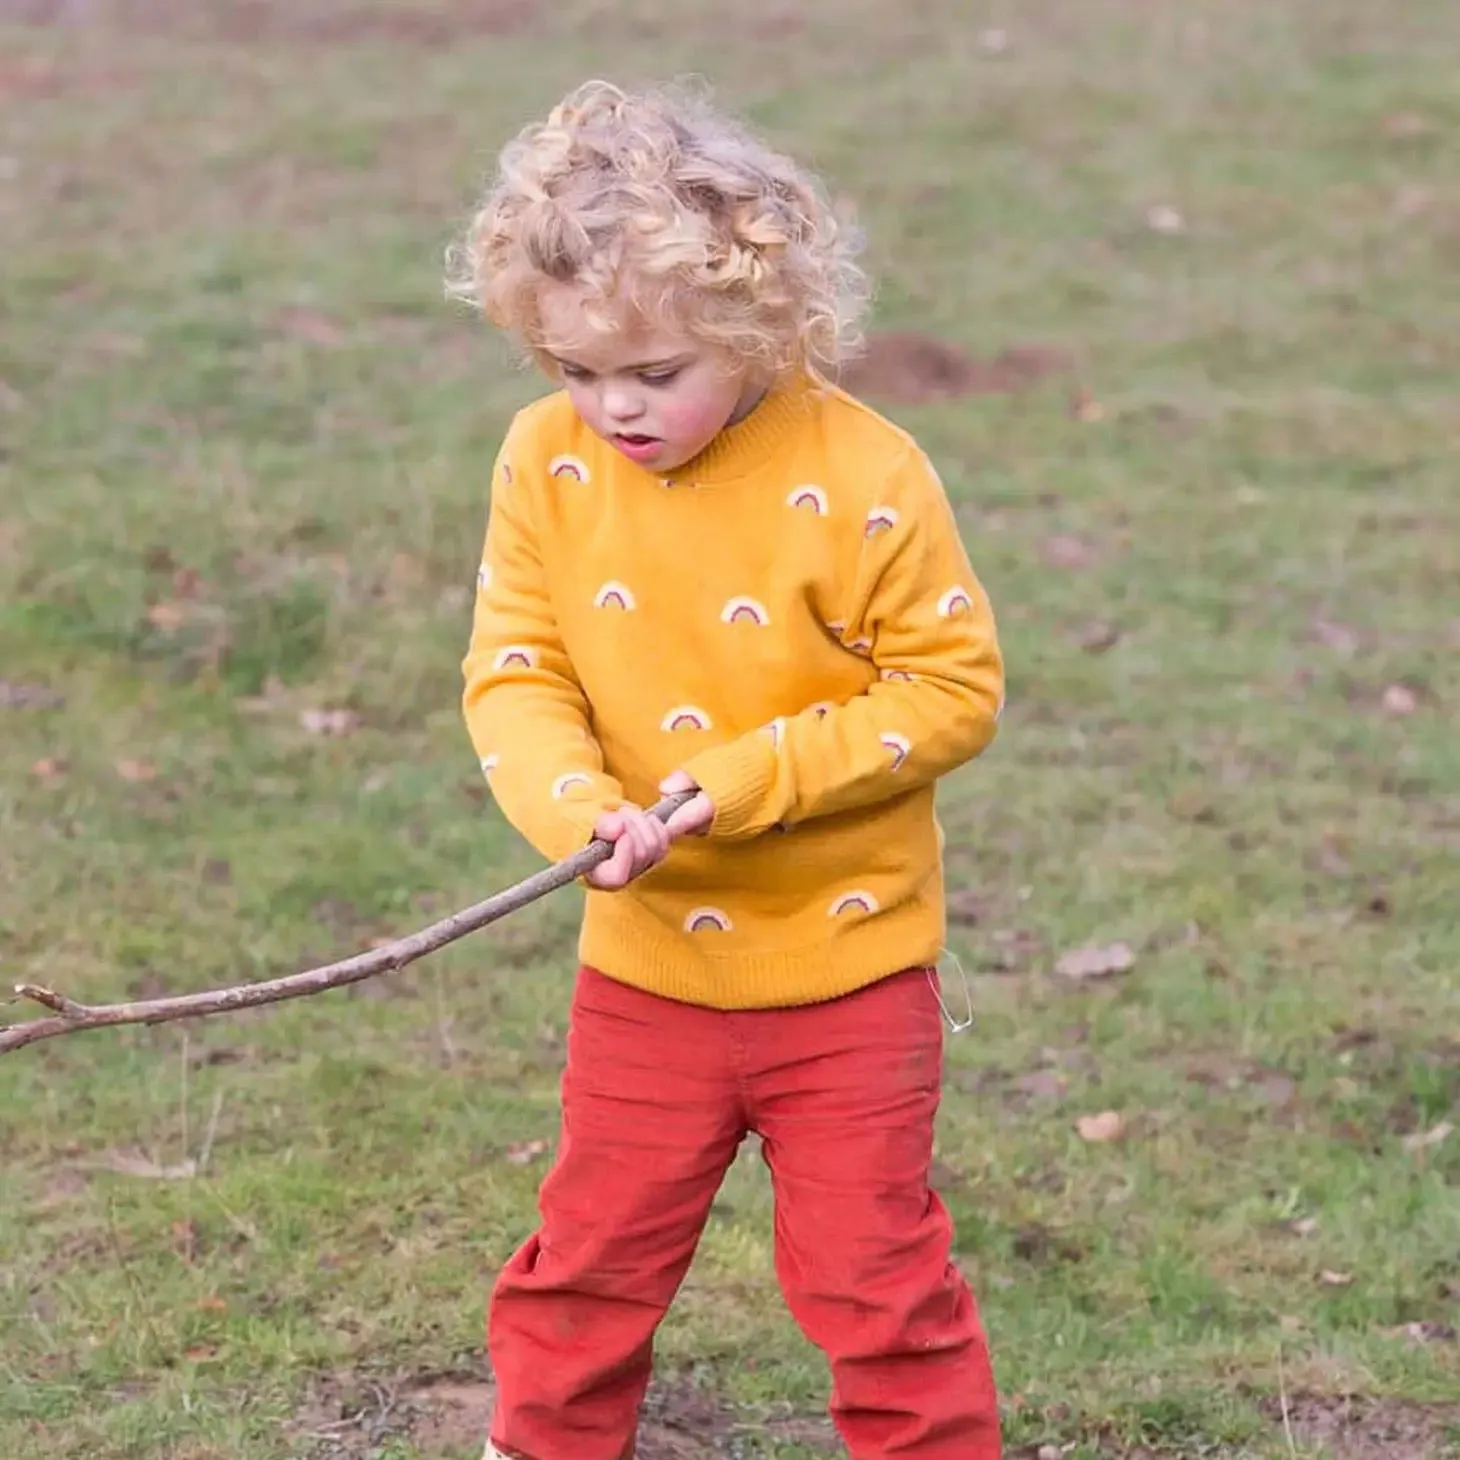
(320,23)
(1351,1427)
(446,1415)
(911,368)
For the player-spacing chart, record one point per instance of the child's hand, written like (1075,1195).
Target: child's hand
(640,842)
(695,816)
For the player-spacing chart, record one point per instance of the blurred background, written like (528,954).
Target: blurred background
(1170,295)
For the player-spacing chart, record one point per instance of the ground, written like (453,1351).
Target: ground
(1169,295)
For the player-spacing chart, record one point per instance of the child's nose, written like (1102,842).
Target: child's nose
(620,404)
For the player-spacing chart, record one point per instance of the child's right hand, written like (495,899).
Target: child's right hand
(640,840)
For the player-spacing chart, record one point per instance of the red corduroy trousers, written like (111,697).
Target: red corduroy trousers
(657,1097)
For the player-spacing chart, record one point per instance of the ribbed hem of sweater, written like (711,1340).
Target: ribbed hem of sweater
(625,942)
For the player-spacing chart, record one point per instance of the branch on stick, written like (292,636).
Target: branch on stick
(71,1016)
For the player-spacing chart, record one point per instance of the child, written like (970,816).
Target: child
(709,569)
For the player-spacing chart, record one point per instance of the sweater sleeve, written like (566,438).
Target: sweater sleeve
(525,710)
(923,617)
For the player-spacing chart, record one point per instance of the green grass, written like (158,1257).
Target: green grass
(244,448)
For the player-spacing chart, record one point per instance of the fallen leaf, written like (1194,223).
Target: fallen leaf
(1399,699)
(1403,126)
(1098,636)
(1193,803)
(116,345)
(186,581)
(1277,1089)
(1412,201)
(136,770)
(185,1240)
(310,326)
(48,768)
(213,1305)
(200,1353)
(1303,1226)
(1084,407)
(134,1163)
(20,695)
(1163,218)
(523,1153)
(1064,550)
(1081,964)
(1108,1125)
(167,615)
(1424,1331)
(1041,1084)
(1423,1140)
(1331,858)
(1335,635)
(1331,1279)
(329,722)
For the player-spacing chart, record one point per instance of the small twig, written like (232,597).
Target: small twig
(52,1000)
(1283,1400)
(72,1016)
(205,1155)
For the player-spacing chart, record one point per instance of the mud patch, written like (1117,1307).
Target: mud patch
(446,1415)
(907,367)
(1350,1427)
(434,24)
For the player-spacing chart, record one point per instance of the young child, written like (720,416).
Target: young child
(709,569)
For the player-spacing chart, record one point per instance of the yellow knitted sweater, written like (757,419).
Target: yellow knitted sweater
(791,618)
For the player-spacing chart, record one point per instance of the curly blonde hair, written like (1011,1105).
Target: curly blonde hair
(663,210)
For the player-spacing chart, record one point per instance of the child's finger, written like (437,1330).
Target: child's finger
(644,829)
(614,871)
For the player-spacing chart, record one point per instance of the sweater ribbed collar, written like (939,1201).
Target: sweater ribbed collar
(743,449)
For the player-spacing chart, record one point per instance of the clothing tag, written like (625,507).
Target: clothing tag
(935,979)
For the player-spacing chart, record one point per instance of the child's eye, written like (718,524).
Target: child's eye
(659,377)
(575,372)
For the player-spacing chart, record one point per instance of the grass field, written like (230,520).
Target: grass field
(244,449)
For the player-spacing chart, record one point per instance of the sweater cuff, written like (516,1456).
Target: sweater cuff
(567,828)
(737,777)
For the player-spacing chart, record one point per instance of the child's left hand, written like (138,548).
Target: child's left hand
(695,816)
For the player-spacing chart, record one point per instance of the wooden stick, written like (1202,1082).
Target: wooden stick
(71,1016)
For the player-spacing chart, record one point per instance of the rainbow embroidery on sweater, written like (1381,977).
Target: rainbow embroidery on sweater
(856,901)
(954,602)
(707,919)
(569,466)
(880,519)
(516,654)
(686,717)
(567,780)
(615,595)
(899,745)
(808,497)
(746,610)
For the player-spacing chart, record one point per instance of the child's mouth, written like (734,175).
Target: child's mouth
(634,445)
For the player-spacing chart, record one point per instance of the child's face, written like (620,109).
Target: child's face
(658,396)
